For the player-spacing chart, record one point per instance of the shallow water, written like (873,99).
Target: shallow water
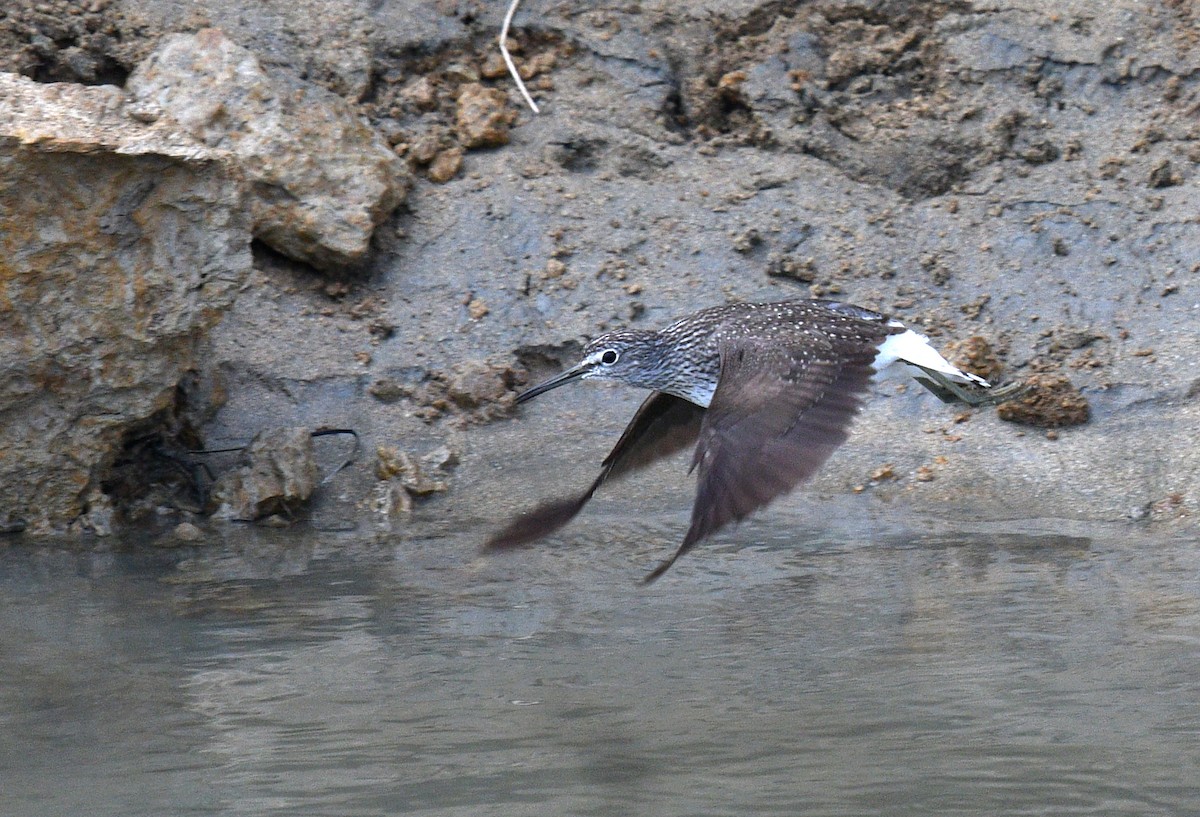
(911,674)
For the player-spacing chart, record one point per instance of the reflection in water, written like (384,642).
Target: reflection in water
(918,673)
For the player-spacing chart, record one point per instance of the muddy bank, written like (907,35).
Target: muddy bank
(990,171)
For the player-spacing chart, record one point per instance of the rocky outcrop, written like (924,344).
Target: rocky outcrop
(321,179)
(279,474)
(1049,402)
(122,243)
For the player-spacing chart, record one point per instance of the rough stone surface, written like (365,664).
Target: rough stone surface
(482,117)
(65,118)
(403,478)
(976,355)
(121,245)
(322,180)
(66,41)
(1051,402)
(280,473)
(445,165)
(102,41)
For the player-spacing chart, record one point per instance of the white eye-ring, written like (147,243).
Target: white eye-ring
(609,357)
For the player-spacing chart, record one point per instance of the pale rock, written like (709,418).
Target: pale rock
(123,242)
(278,475)
(321,178)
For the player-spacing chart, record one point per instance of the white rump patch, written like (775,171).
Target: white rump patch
(911,347)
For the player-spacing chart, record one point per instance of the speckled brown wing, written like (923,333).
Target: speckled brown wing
(781,408)
(663,425)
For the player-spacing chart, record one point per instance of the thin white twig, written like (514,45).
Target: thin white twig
(508,60)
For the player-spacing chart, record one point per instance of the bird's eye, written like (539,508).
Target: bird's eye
(609,357)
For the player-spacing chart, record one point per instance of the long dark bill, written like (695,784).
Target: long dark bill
(574,373)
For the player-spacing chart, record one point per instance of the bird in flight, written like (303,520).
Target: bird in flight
(764,391)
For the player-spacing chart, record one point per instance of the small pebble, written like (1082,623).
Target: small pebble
(187,532)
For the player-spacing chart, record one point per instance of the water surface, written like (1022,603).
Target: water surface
(314,673)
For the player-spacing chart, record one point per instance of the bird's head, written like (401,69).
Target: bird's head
(627,355)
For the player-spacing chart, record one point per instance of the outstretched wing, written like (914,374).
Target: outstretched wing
(780,410)
(663,425)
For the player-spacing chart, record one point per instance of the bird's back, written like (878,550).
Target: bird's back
(827,329)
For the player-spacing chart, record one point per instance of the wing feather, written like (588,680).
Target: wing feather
(779,411)
(663,425)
